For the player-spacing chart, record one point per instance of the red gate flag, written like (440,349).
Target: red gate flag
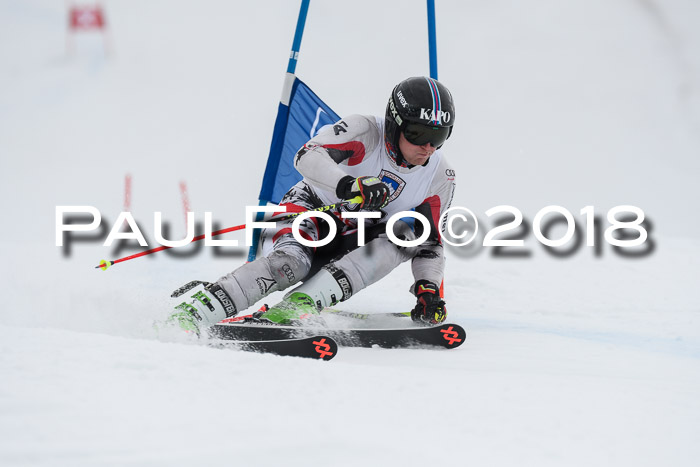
(86,17)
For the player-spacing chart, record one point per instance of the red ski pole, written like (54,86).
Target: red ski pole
(104,264)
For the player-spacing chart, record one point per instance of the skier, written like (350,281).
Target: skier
(393,163)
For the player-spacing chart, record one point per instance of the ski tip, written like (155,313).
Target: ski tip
(104,264)
(325,347)
(453,335)
(315,347)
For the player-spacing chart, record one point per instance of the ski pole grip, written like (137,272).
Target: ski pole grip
(356,200)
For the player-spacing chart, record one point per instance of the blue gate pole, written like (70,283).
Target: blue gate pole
(286,94)
(296,44)
(432,41)
(432,49)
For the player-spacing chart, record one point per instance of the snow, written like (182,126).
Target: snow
(548,398)
(584,360)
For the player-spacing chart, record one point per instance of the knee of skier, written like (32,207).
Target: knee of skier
(288,268)
(254,281)
(403,231)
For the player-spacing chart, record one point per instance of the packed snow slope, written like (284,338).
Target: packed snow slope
(587,359)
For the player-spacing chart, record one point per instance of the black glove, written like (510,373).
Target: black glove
(430,308)
(374,192)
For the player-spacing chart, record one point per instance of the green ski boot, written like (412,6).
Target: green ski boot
(293,310)
(184,320)
(204,305)
(302,305)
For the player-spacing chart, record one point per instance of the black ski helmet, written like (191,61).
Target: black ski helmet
(423,110)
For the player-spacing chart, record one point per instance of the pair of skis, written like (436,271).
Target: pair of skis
(323,342)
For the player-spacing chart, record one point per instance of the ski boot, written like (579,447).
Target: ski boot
(293,310)
(207,305)
(303,305)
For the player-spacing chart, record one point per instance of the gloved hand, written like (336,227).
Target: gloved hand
(374,192)
(430,308)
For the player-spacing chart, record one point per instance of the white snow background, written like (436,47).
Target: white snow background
(584,360)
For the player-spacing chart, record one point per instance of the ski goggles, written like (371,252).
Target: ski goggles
(418,134)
